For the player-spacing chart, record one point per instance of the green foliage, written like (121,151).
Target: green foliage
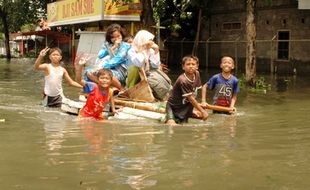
(159,9)
(242,82)
(180,15)
(28,27)
(261,83)
(261,86)
(31,54)
(20,12)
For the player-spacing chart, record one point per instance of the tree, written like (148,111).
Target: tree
(147,18)
(250,64)
(203,7)
(15,13)
(147,14)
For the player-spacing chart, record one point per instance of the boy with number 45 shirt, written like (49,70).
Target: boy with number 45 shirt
(225,85)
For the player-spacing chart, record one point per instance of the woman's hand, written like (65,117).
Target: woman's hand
(116,44)
(155,47)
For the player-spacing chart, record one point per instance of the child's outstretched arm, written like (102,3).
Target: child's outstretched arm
(204,94)
(112,104)
(232,103)
(78,72)
(196,105)
(38,63)
(70,81)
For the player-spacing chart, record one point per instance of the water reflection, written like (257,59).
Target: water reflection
(135,159)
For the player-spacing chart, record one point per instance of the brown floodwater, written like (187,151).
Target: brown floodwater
(266,145)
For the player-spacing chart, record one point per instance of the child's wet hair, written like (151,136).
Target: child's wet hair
(55,49)
(104,72)
(187,57)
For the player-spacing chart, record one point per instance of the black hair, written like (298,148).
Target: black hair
(129,36)
(104,72)
(55,49)
(111,29)
(187,57)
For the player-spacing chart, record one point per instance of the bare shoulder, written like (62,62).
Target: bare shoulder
(43,66)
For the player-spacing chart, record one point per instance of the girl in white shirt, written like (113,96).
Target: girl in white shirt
(54,73)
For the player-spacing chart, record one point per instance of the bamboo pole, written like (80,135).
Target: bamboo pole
(140,106)
(157,109)
(217,108)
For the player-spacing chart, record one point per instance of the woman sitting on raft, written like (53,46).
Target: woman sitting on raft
(144,53)
(113,56)
(144,56)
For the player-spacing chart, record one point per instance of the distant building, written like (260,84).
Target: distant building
(283,35)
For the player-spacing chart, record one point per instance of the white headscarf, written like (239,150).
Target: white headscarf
(141,38)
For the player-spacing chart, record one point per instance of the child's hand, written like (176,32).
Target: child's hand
(164,67)
(115,112)
(204,105)
(171,122)
(44,51)
(233,110)
(82,61)
(205,115)
(201,115)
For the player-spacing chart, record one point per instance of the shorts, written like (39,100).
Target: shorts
(170,115)
(52,101)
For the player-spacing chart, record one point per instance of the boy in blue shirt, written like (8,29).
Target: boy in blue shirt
(225,85)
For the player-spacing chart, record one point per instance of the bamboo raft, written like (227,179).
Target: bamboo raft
(139,102)
(128,109)
(132,109)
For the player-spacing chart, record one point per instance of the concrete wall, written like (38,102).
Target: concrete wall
(280,15)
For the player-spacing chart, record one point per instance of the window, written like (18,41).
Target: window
(283,45)
(231,26)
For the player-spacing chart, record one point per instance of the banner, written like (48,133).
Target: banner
(303,4)
(81,11)
(119,10)
(74,11)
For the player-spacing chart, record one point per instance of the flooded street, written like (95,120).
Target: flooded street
(266,145)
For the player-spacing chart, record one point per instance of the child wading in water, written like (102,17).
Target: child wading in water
(98,94)
(54,73)
(182,100)
(225,85)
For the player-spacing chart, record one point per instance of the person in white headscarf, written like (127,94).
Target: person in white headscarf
(144,53)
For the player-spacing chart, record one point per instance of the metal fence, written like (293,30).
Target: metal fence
(270,55)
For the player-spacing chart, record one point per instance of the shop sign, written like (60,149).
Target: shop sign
(74,11)
(81,11)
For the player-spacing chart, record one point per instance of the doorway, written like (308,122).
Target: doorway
(283,45)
